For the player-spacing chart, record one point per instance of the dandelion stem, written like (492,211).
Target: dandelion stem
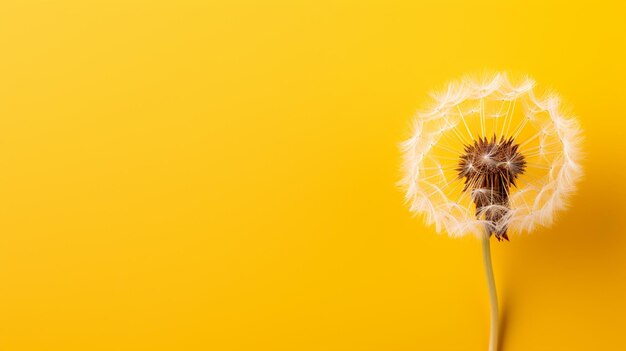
(493,296)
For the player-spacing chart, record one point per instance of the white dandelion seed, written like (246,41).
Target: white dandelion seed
(548,150)
(491,157)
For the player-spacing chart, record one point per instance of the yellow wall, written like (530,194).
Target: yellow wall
(195,175)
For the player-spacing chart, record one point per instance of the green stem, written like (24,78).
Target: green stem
(493,296)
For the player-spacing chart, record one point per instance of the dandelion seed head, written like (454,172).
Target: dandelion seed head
(491,153)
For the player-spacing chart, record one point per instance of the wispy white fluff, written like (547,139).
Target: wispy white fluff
(454,114)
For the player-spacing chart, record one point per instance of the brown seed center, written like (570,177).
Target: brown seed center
(490,168)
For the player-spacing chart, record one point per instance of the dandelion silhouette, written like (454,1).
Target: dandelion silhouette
(491,157)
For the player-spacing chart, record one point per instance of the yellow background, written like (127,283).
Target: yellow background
(203,175)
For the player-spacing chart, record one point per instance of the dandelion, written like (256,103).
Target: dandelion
(491,157)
